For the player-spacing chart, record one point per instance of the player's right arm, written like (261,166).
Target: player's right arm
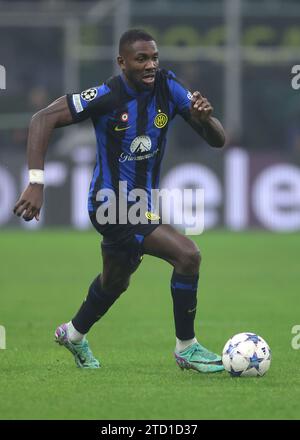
(42,124)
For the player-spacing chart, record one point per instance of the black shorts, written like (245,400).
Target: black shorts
(126,239)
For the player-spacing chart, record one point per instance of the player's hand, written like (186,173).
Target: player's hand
(30,202)
(201,108)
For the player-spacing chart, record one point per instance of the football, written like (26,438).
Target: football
(246,354)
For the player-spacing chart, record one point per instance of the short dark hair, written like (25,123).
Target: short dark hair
(133,35)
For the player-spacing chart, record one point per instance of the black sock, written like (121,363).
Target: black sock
(184,293)
(94,307)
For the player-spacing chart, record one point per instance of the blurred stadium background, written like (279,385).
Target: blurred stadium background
(239,54)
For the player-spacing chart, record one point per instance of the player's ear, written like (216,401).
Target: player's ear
(121,62)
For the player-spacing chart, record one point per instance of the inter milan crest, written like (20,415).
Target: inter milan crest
(89,94)
(160,120)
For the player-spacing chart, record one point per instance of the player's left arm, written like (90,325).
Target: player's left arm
(202,121)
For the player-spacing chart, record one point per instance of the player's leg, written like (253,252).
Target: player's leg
(106,287)
(118,265)
(183,254)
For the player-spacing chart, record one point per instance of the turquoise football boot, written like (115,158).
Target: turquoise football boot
(81,351)
(198,358)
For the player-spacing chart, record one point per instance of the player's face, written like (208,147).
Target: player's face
(139,63)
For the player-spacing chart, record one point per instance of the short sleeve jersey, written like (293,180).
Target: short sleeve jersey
(131,129)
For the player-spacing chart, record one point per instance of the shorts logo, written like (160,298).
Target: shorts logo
(89,94)
(151,215)
(140,144)
(161,119)
(189,95)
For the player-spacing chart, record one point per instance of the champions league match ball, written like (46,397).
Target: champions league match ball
(246,354)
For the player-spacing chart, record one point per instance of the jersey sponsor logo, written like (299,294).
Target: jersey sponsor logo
(151,215)
(89,94)
(129,158)
(77,103)
(161,119)
(140,144)
(117,128)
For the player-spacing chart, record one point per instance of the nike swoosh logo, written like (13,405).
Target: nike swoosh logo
(117,128)
(190,311)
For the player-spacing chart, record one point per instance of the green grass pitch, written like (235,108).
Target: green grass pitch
(248,282)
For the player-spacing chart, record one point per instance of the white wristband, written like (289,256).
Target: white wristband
(36,176)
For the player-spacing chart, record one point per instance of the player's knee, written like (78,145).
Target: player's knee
(189,261)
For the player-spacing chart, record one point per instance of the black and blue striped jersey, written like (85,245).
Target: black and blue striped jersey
(131,129)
